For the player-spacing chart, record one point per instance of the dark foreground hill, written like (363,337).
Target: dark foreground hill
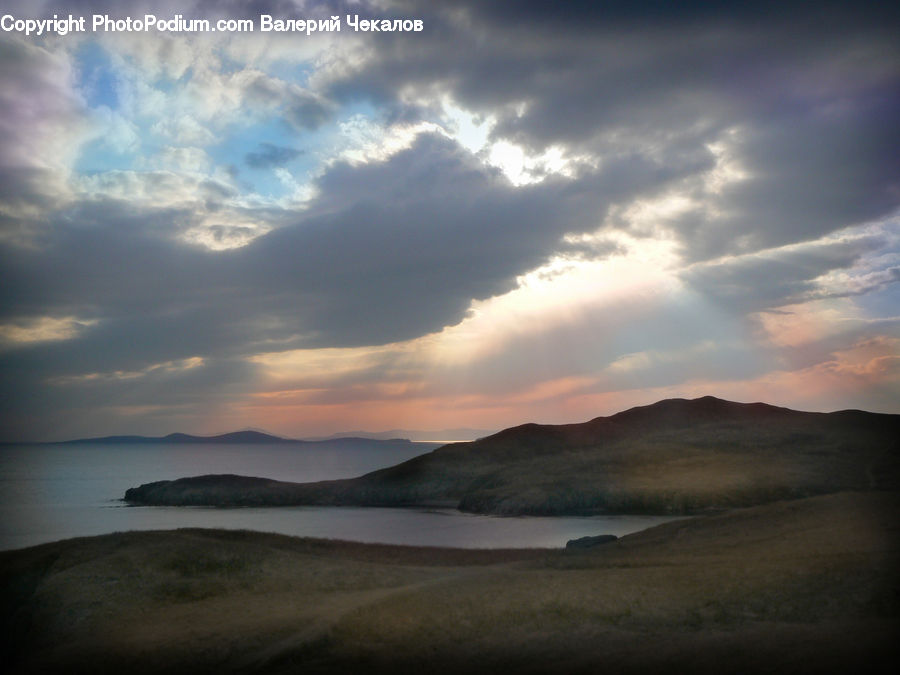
(675,456)
(805,586)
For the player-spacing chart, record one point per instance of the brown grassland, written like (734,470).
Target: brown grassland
(803,586)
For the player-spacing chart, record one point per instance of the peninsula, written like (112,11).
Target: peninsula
(676,456)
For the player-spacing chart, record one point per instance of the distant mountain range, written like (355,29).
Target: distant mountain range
(675,456)
(441,435)
(245,437)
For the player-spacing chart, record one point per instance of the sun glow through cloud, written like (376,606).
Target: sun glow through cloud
(481,224)
(45,329)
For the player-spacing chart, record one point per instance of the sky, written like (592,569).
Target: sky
(526,211)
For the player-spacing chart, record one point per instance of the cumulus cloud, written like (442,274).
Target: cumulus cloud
(40,129)
(270,155)
(137,261)
(810,92)
(783,276)
(386,251)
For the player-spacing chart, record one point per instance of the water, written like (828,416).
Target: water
(53,492)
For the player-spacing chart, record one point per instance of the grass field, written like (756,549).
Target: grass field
(802,586)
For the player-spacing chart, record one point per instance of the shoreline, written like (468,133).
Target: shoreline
(235,491)
(429,526)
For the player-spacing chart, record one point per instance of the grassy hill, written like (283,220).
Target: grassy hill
(805,586)
(675,456)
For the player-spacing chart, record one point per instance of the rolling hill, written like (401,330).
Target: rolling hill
(675,456)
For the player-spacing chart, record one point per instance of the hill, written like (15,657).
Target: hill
(245,437)
(456,434)
(675,456)
(232,437)
(806,586)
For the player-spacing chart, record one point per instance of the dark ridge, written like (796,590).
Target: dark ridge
(338,440)
(233,437)
(113,439)
(248,437)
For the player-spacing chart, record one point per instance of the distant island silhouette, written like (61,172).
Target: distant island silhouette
(232,437)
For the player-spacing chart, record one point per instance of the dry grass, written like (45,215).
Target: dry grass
(803,586)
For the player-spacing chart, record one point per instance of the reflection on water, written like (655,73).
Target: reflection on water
(50,492)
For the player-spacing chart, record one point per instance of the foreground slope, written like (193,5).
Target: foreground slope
(675,456)
(806,586)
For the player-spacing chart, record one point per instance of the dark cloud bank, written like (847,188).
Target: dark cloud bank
(805,98)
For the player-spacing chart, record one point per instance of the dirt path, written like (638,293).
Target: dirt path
(329,613)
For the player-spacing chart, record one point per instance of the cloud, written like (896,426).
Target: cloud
(784,276)
(757,148)
(299,107)
(804,100)
(386,251)
(40,128)
(270,155)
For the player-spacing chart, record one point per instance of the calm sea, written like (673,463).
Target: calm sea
(53,492)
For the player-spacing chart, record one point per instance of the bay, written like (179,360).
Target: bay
(52,492)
